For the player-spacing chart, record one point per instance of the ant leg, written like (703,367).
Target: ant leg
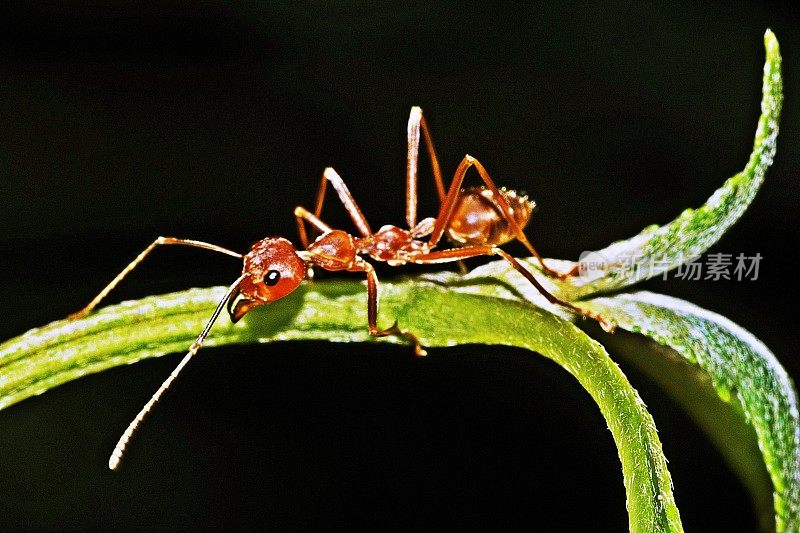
(372,310)
(122,444)
(139,258)
(303,216)
(416,123)
(448,208)
(332,177)
(456,254)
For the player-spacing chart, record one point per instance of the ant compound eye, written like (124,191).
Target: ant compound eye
(272,278)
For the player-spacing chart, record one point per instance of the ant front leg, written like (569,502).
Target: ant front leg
(139,258)
(447,211)
(349,203)
(303,216)
(456,254)
(372,309)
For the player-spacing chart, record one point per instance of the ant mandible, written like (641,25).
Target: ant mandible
(477,221)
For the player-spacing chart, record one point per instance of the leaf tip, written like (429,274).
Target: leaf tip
(770,41)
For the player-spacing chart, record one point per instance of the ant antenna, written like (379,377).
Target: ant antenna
(122,444)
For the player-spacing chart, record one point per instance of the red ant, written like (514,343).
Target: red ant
(477,220)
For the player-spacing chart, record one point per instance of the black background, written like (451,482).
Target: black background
(212,121)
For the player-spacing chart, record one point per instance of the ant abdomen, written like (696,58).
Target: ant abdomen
(478,219)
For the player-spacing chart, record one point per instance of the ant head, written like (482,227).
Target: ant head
(272,270)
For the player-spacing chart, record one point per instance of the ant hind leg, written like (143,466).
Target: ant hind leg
(455,254)
(448,209)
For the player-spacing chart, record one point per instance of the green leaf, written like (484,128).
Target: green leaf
(46,357)
(658,249)
(721,362)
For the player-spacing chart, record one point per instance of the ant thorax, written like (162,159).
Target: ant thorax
(478,219)
(391,244)
(334,250)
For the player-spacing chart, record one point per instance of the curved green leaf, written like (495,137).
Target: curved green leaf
(658,249)
(760,397)
(62,351)
(46,357)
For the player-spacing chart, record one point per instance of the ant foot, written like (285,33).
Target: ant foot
(574,271)
(419,351)
(609,326)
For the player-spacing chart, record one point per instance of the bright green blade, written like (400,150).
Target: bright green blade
(721,363)
(336,311)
